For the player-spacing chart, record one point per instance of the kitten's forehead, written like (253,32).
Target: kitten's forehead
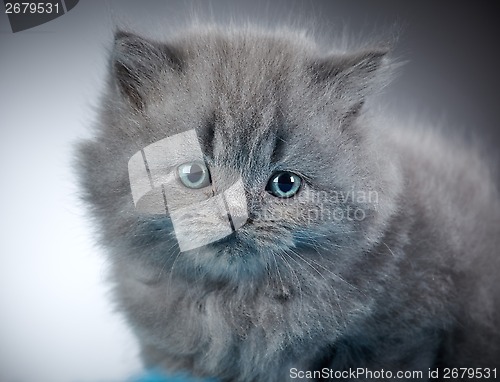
(249,87)
(247,140)
(248,97)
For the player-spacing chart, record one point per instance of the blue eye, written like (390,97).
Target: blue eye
(194,175)
(283,184)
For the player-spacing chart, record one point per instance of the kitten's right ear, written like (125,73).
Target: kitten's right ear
(137,64)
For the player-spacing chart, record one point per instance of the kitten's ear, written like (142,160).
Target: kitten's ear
(352,77)
(138,64)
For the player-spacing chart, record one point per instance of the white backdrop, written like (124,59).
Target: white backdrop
(56,323)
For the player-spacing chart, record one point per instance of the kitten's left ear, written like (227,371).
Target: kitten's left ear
(351,78)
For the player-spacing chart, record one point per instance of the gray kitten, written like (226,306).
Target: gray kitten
(348,245)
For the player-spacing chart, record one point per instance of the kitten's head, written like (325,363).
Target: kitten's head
(255,143)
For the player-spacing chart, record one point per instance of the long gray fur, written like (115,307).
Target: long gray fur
(413,285)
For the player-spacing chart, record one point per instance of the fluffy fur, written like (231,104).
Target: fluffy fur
(411,286)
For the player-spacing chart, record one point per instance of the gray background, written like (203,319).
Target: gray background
(56,322)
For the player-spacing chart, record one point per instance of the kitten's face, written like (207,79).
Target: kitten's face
(266,117)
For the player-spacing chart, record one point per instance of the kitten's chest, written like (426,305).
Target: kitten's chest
(251,331)
(258,337)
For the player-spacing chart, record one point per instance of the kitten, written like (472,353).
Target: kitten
(261,223)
